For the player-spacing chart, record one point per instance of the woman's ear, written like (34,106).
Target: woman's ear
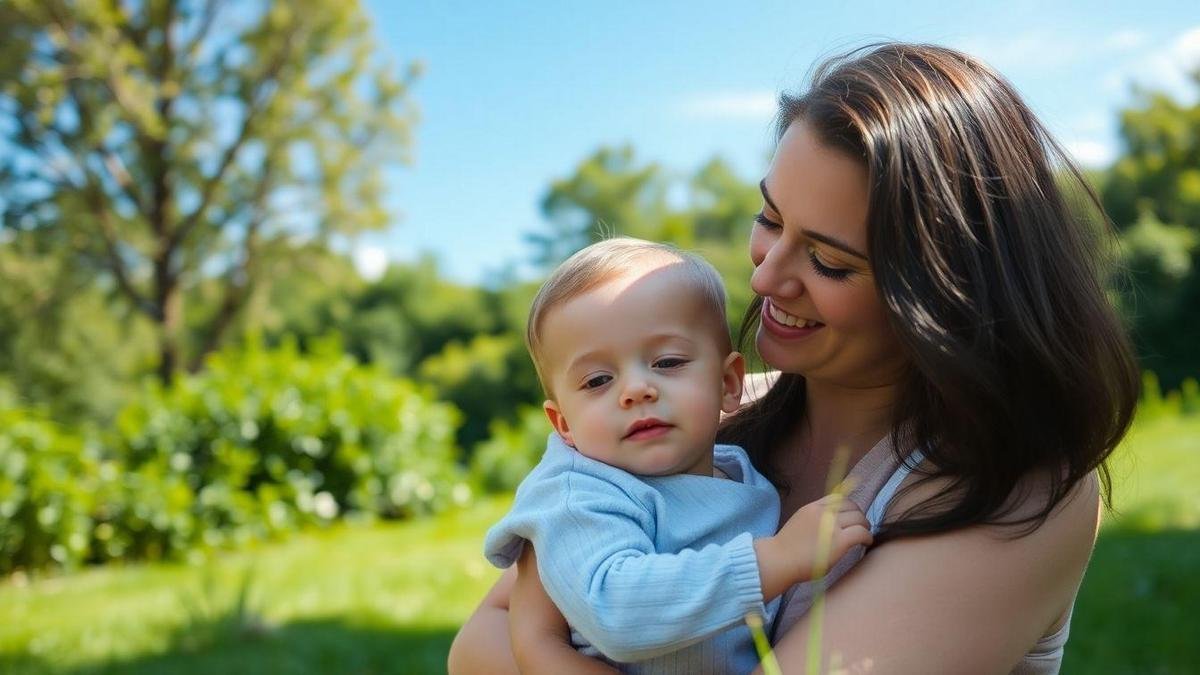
(732,376)
(558,421)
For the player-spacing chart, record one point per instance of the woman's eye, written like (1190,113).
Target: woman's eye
(597,381)
(670,362)
(766,222)
(826,271)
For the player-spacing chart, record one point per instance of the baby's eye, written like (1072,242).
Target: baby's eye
(597,381)
(670,362)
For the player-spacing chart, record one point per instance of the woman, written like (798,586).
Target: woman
(937,312)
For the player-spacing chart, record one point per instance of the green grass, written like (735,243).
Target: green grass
(388,598)
(378,599)
(1139,608)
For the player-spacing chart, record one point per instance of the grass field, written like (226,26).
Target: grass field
(388,598)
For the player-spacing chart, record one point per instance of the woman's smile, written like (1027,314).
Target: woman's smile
(787,326)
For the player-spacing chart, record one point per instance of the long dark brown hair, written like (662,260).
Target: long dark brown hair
(995,286)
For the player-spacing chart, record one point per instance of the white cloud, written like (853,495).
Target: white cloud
(750,105)
(1165,68)
(1042,49)
(1034,49)
(370,261)
(1091,153)
(1093,122)
(1124,40)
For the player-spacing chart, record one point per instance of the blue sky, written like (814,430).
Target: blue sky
(515,94)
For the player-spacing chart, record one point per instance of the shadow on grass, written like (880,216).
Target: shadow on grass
(1139,608)
(1136,613)
(301,648)
(21,664)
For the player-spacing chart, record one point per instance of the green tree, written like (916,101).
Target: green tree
(166,143)
(411,314)
(61,345)
(487,378)
(1152,193)
(609,192)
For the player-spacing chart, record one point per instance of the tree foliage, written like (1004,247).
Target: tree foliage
(709,211)
(164,143)
(1152,193)
(62,345)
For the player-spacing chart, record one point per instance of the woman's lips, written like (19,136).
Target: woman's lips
(772,325)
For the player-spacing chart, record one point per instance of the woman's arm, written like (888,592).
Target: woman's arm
(972,600)
(541,639)
(493,636)
(482,644)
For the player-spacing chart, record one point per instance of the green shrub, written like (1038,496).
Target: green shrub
(1155,404)
(51,484)
(1190,396)
(264,440)
(261,442)
(499,463)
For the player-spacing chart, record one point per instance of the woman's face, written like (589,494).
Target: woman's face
(822,317)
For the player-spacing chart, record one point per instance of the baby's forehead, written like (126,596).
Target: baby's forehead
(658,304)
(668,276)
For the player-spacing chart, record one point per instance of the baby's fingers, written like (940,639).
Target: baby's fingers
(849,517)
(852,536)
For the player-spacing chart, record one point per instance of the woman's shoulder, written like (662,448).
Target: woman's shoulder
(968,600)
(1044,561)
(1077,509)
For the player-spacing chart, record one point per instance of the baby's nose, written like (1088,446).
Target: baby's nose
(639,392)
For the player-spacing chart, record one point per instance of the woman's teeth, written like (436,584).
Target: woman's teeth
(789,320)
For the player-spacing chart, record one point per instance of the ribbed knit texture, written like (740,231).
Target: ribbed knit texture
(654,573)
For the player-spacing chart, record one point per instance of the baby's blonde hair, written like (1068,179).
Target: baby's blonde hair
(609,259)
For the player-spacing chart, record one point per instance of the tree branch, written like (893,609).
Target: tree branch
(236,294)
(108,232)
(86,114)
(252,111)
(206,22)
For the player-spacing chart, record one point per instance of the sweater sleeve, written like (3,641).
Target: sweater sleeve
(597,561)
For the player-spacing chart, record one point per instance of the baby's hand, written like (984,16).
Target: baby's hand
(791,555)
(845,526)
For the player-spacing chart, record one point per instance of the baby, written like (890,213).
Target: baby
(654,543)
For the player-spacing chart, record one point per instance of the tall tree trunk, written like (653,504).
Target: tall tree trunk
(170,301)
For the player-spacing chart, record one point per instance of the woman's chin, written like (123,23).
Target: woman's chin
(781,357)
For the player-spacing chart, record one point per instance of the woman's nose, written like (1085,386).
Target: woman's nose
(639,391)
(776,273)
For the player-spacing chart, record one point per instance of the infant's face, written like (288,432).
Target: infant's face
(639,374)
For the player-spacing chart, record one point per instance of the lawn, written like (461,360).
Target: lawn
(1139,608)
(388,598)
(350,599)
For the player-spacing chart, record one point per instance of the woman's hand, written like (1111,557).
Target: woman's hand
(540,637)
(516,616)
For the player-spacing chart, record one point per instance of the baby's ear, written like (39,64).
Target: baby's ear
(558,421)
(732,376)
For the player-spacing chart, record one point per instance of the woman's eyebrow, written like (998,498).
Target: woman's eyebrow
(823,238)
(762,187)
(834,242)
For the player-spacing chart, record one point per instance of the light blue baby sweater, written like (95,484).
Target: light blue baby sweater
(654,573)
